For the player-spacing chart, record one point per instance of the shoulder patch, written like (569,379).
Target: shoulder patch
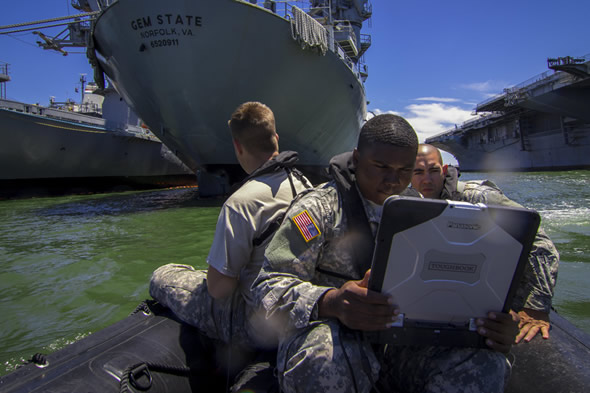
(308,228)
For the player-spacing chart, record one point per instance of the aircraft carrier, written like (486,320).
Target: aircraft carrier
(540,124)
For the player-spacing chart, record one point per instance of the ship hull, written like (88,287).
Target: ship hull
(495,148)
(541,124)
(184,66)
(47,152)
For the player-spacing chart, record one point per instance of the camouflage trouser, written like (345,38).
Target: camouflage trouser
(442,370)
(329,358)
(326,357)
(183,290)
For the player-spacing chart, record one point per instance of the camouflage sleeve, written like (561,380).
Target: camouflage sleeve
(283,286)
(536,288)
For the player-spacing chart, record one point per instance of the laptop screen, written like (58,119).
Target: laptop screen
(447,263)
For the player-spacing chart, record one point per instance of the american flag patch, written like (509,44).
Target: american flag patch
(309,230)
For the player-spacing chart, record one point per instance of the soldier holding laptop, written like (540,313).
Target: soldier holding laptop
(314,284)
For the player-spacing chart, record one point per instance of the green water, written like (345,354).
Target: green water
(70,266)
(73,265)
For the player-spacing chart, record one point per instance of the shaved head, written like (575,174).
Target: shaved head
(429,173)
(425,149)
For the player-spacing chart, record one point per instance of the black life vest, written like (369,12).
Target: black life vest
(283,161)
(360,242)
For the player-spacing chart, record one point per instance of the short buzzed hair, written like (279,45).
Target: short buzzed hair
(253,125)
(425,149)
(388,129)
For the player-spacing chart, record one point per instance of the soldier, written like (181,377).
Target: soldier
(314,283)
(218,301)
(535,293)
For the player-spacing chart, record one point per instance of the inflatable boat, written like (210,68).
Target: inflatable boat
(152,351)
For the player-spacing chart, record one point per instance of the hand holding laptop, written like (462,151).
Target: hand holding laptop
(499,329)
(358,307)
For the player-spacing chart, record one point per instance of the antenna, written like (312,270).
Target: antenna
(82,82)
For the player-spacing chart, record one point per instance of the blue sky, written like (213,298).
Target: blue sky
(430,61)
(433,61)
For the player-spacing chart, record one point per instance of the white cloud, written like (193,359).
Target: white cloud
(437,99)
(434,118)
(477,86)
(431,118)
(484,87)
(493,95)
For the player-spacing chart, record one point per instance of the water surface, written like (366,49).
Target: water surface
(73,265)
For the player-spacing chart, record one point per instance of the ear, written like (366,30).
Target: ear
(355,156)
(239,148)
(445,169)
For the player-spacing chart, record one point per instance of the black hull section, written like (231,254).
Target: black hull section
(97,363)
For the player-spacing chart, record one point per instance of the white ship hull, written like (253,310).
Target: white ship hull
(184,66)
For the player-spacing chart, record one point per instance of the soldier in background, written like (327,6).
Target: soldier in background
(534,295)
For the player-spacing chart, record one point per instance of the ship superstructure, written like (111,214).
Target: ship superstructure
(540,124)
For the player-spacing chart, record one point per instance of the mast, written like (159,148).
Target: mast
(3,79)
(82,83)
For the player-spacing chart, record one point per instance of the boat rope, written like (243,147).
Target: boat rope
(39,22)
(308,32)
(139,376)
(143,307)
(39,359)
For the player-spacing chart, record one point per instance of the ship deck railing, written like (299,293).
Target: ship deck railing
(467,124)
(532,81)
(74,117)
(35,109)
(283,8)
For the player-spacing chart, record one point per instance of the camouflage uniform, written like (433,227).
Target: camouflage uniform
(183,289)
(537,285)
(323,355)
(242,233)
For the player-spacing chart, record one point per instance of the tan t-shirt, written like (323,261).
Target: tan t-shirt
(245,216)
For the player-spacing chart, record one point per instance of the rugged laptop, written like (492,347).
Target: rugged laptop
(447,263)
